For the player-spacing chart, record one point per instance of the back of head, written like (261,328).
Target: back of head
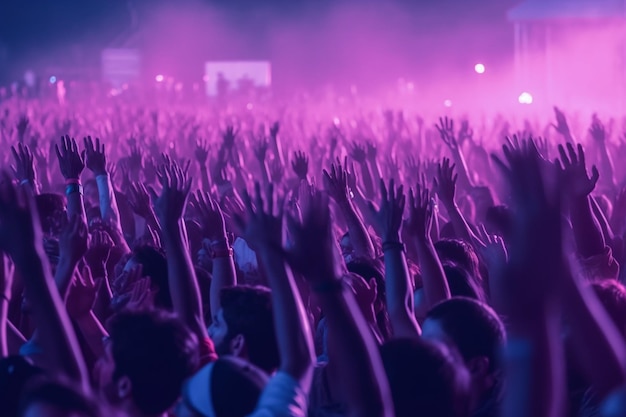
(248,311)
(458,252)
(472,326)
(426,379)
(229,387)
(499,221)
(462,284)
(157,352)
(154,266)
(51,209)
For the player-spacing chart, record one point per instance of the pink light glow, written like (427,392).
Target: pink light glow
(447,103)
(525,98)
(479,68)
(159,78)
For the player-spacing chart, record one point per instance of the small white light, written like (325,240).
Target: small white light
(159,78)
(479,68)
(336,121)
(53,79)
(525,98)
(447,103)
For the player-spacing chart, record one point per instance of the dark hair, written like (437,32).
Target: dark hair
(154,265)
(426,379)
(368,269)
(248,311)
(461,253)
(474,328)
(60,396)
(612,296)
(462,284)
(157,352)
(235,391)
(16,373)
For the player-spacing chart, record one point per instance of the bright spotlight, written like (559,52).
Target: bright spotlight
(525,98)
(53,79)
(479,68)
(159,78)
(447,103)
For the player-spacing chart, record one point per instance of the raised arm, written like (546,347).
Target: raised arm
(388,222)
(6,284)
(21,237)
(71,164)
(263,229)
(183,284)
(578,186)
(24,167)
(420,224)
(527,290)
(446,132)
(214,228)
(336,183)
(354,354)
(201,153)
(598,134)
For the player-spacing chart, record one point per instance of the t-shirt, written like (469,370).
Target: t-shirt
(282,397)
(207,352)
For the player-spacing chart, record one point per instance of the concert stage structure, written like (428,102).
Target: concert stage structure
(572,52)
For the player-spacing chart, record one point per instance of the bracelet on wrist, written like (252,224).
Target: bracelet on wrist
(73,188)
(393,246)
(69,181)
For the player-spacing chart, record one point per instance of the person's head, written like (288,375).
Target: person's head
(229,387)
(51,209)
(244,326)
(90,190)
(461,284)
(154,265)
(478,334)
(458,252)
(426,379)
(54,399)
(147,357)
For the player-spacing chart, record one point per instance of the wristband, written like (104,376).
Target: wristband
(336,285)
(69,181)
(24,182)
(73,188)
(393,245)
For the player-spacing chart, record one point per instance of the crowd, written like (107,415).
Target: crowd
(230,262)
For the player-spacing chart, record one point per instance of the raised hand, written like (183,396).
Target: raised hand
(300,164)
(260,150)
(561,125)
(169,206)
(421,213)
(445,182)
(73,239)
(71,162)
(228,137)
(314,252)
(597,130)
(262,227)
(210,215)
(142,296)
(135,159)
(22,127)
(277,171)
(371,150)
(358,152)
(388,218)
(466,133)
(574,171)
(24,168)
(493,251)
(95,158)
(139,200)
(201,152)
(336,183)
(274,129)
(446,132)
(100,245)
